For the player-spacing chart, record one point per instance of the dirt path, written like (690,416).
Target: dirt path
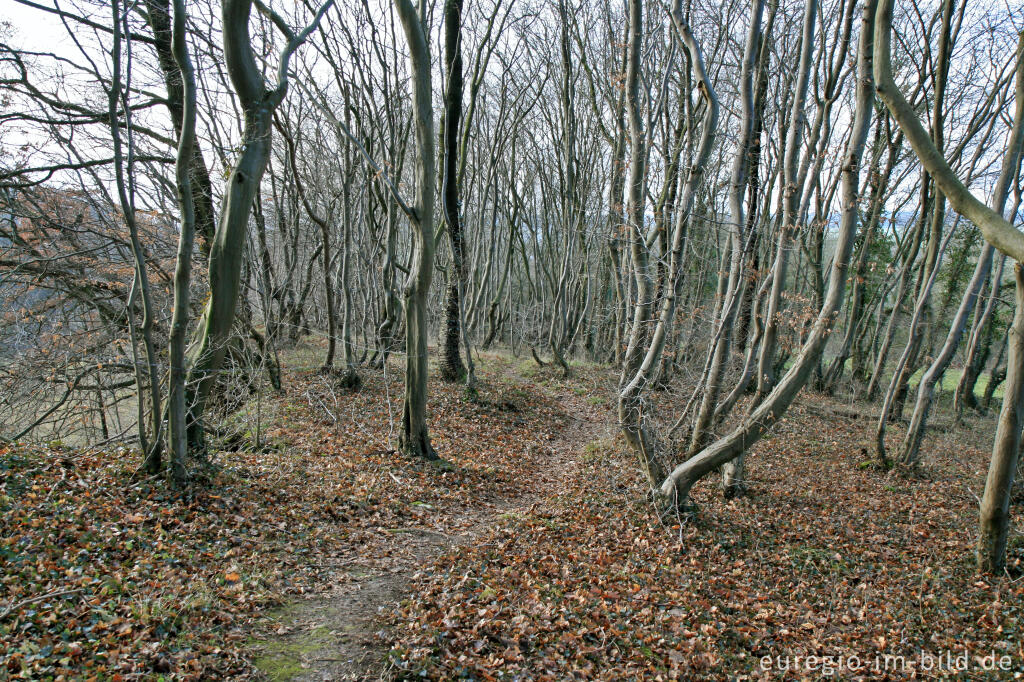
(338,635)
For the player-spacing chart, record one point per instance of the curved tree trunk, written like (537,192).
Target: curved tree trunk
(645,349)
(1001,234)
(151,436)
(678,484)
(415,440)
(738,183)
(177,409)
(226,253)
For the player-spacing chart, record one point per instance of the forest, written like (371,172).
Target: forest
(511,339)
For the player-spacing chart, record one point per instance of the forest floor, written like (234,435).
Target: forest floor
(316,552)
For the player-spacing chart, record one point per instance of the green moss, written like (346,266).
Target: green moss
(282,658)
(596,450)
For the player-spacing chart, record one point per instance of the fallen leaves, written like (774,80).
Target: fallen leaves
(105,575)
(108,576)
(822,560)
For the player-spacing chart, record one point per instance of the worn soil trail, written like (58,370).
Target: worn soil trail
(339,635)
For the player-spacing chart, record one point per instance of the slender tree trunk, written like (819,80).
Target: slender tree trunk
(646,346)
(791,204)
(979,345)
(994,522)
(150,437)
(452,368)
(678,484)
(158,15)
(415,440)
(177,409)
(910,455)
(738,184)
(1002,235)
(350,378)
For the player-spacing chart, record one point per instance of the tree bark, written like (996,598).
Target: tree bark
(791,204)
(414,439)
(177,408)
(678,484)
(452,368)
(228,248)
(994,521)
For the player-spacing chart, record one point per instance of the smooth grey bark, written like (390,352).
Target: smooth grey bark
(933,208)
(979,344)
(878,183)
(350,376)
(738,182)
(415,439)
(678,484)
(791,189)
(994,228)
(994,523)
(994,514)
(227,250)
(910,455)
(646,349)
(159,17)
(903,363)
(177,412)
(151,436)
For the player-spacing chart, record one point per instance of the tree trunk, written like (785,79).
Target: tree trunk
(646,347)
(678,484)
(979,345)
(228,248)
(738,183)
(415,440)
(177,409)
(452,368)
(791,204)
(994,522)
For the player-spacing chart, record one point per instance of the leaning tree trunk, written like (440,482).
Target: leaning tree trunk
(910,455)
(678,484)
(228,248)
(920,334)
(1001,234)
(646,348)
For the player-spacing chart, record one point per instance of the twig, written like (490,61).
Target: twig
(33,600)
